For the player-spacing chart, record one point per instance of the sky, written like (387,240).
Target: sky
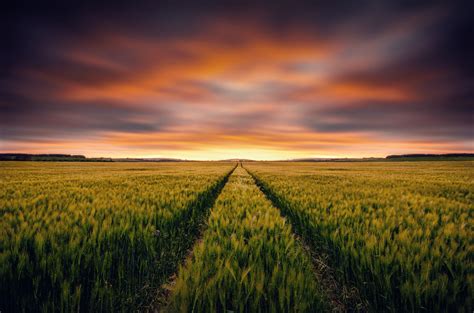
(237,79)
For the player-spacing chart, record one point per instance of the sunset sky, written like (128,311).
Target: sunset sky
(273,80)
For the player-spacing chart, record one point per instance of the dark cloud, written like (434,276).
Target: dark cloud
(53,120)
(414,120)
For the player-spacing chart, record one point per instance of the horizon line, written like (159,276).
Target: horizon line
(322,158)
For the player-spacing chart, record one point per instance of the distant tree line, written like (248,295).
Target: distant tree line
(431,156)
(49,157)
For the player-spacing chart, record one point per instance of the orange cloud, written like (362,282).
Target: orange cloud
(289,91)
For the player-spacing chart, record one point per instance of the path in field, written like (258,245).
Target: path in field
(341,297)
(248,260)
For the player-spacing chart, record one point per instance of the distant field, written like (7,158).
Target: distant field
(209,237)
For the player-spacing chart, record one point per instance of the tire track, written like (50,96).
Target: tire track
(249,260)
(342,297)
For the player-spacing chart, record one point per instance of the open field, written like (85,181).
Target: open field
(212,237)
(401,232)
(97,237)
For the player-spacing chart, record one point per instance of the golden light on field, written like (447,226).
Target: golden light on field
(107,109)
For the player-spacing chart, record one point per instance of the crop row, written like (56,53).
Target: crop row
(98,237)
(247,261)
(402,233)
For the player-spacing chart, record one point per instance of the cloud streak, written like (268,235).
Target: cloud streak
(204,82)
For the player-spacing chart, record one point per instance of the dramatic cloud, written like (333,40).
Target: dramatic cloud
(269,80)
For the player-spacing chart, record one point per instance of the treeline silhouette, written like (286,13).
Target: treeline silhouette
(49,157)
